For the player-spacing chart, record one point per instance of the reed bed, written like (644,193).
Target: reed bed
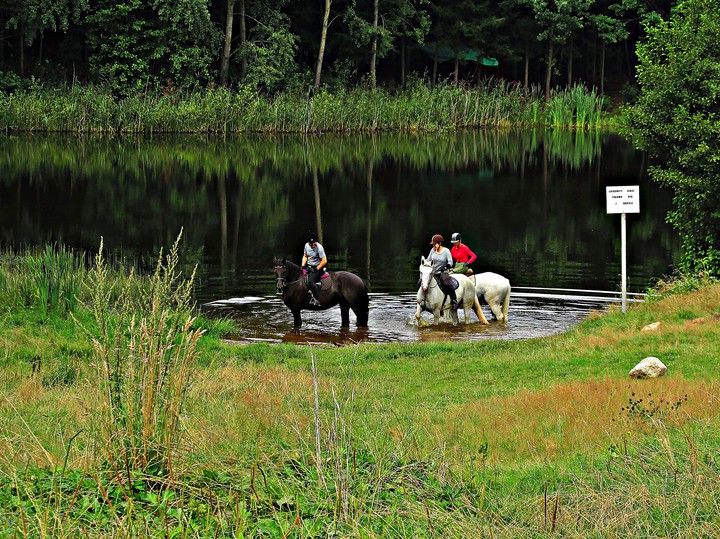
(447,107)
(47,279)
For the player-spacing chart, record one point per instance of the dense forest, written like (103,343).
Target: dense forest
(134,45)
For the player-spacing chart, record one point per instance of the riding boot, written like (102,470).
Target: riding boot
(314,294)
(453,299)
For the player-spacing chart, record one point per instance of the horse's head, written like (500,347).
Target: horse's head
(281,270)
(425,273)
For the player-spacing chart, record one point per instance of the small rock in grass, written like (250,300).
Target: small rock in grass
(650,367)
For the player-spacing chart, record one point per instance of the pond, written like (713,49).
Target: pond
(530,203)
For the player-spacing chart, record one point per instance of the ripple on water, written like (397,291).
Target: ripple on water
(392,319)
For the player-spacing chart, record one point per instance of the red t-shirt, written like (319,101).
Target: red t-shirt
(462,253)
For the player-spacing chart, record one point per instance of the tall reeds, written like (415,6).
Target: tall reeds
(574,107)
(145,348)
(242,110)
(48,279)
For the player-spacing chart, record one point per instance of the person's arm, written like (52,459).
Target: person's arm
(472,257)
(449,258)
(304,260)
(323,257)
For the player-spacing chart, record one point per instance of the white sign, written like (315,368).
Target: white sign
(623,198)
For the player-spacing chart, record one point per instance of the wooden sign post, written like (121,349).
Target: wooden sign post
(623,199)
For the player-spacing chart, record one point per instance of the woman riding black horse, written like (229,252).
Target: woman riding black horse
(339,288)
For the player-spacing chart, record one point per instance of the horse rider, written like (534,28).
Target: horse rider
(442,261)
(462,255)
(314,260)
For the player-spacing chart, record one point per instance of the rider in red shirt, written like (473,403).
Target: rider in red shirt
(462,255)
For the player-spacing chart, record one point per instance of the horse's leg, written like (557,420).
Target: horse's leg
(436,316)
(495,308)
(361,308)
(506,305)
(296,317)
(344,314)
(361,313)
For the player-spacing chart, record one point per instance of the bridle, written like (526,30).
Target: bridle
(280,282)
(431,282)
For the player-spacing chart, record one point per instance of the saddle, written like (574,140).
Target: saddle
(445,281)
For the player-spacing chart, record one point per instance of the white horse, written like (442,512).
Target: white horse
(431,298)
(494,289)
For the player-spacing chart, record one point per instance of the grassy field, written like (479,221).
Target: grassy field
(124,415)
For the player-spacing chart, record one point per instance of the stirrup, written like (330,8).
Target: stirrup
(454,305)
(313,301)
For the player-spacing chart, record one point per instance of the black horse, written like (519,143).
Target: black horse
(342,287)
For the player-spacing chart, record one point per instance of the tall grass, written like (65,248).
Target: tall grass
(574,107)
(145,350)
(48,279)
(220,110)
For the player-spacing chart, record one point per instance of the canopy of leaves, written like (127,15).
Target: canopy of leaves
(677,118)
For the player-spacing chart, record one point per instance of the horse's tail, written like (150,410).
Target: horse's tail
(506,303)
(363,311)
(478,309)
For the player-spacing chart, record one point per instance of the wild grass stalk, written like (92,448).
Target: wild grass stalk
(145,347)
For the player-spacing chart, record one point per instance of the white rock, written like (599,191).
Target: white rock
(650,367)
(651,327)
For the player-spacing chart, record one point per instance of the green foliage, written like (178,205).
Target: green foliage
(137,45)
(677,119)
(270,54)
(35,17)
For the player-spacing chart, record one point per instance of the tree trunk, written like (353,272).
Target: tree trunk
(435,66)
(318,213)
(602,69)
(594,63)
(527,65)
(548,71)
(402,62)
(243,40)
(373,46)
(323,39)
(570,64)
(456,69)
(225,60)
(22,51)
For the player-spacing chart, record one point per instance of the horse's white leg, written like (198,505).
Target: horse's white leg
(436,316)
(506,304)
(418,312)
(496,309)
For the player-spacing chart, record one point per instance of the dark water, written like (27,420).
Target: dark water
(531,204)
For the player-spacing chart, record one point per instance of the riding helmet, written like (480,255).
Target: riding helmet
(311,237)
(455,237)
(437,238)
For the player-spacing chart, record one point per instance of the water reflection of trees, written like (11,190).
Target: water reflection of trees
(527,199)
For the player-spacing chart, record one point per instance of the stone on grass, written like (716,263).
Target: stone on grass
(650,367)
(651,327)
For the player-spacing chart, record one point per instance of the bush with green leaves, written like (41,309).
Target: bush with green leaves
(677,119)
